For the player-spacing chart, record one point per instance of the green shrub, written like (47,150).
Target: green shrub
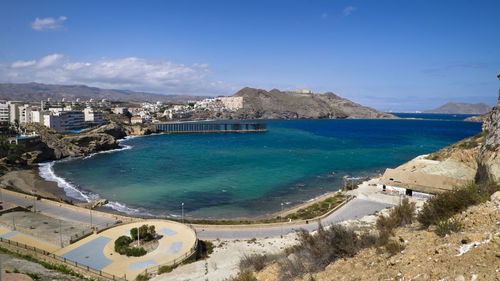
(400,215)
(146,233)
(245,275)
(255,262)
(122,246)
(448,226)
(135,252)
(165,269)
(443,206)
(142,277)
(394,247)
(315,252)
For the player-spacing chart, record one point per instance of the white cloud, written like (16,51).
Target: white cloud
(130,73)
(21,63)
(49,60)
(348,10)
(49,23)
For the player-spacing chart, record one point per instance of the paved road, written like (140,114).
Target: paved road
(55,211)
(355,209)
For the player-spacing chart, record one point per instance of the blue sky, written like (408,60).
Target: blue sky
(391,55)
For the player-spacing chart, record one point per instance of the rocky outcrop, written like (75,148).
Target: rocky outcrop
(478,118)
(489,158)
(275,104)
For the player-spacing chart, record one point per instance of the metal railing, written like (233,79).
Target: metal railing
(175,262)
(50,257)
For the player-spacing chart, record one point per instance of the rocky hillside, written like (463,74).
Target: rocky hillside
(461,108)
(37,92)
(275,104)
(472,254)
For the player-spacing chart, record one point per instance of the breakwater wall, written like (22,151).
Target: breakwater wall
(209,127)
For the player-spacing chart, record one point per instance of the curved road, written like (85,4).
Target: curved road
(355,209)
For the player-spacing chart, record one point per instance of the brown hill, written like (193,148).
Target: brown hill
(275,104)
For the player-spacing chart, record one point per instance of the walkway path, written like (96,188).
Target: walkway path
(53,209)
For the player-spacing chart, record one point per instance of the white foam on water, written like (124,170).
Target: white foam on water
(46,171)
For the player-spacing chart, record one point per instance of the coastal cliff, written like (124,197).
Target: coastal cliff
(55,146)
(275,104)
(489,157)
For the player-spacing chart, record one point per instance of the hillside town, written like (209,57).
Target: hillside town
(72,116)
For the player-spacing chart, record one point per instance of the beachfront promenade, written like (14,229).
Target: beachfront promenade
(95,253)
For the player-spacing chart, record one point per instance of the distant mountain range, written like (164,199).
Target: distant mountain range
(461,108)
(37,92)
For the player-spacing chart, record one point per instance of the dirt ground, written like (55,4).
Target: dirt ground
(13,264)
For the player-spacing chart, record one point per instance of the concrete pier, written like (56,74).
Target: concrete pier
(209,127)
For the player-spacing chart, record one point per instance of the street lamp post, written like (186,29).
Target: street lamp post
(281,219)
(60,233)
(182,212)
(91,218)
(138,237)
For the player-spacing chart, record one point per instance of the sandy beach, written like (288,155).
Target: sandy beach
(26,181)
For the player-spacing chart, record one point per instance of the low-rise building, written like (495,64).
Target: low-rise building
(136,120)
(416,184)
(120,110)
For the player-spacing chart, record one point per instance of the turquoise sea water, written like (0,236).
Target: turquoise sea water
(250,174)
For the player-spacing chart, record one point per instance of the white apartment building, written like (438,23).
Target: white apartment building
(92,115)
(25,114)
(65,120)
(37,115)
(4,112)
(13,111)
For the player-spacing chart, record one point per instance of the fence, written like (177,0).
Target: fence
(49,257)
(175,262)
